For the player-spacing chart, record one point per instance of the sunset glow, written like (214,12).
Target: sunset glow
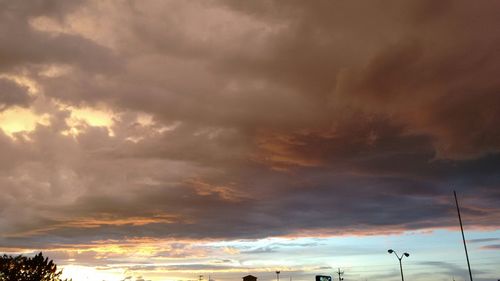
(207,140)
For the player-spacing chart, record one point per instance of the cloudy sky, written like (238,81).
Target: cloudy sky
(162,140)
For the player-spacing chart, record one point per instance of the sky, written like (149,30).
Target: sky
(164,140)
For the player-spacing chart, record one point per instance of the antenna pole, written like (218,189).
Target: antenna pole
(463,236)
(340,273)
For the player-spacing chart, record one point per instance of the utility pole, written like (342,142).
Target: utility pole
(463,236)
(391,251)
(340,273)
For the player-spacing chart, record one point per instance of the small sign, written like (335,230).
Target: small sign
(323,278)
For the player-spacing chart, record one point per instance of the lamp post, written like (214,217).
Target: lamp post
(278,275)
(390,251)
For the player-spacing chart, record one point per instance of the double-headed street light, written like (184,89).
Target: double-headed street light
(390,251)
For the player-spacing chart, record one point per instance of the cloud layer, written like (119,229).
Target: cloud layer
(230,119)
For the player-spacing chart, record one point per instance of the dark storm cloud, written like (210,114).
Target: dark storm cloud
(430,66)
(12,94)
(23,47)
(266,119)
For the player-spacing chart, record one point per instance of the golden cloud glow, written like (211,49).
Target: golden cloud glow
(229,193)
(82,116)
(93,117)
(145,119)
(99,222)
(15,120)
(78,272)
(278,152)
(135,221)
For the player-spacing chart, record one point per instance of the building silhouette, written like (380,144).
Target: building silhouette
(249,278)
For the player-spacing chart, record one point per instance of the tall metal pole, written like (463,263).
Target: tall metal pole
(401,268)
(405,254)
(340,273)
(463,236)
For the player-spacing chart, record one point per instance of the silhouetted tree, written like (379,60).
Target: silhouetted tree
(22,268)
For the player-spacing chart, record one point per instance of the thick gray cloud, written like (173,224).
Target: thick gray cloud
(12,94)
(25,47)
(265,119)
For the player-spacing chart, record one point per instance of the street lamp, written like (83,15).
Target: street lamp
(390,251)
(278,275)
